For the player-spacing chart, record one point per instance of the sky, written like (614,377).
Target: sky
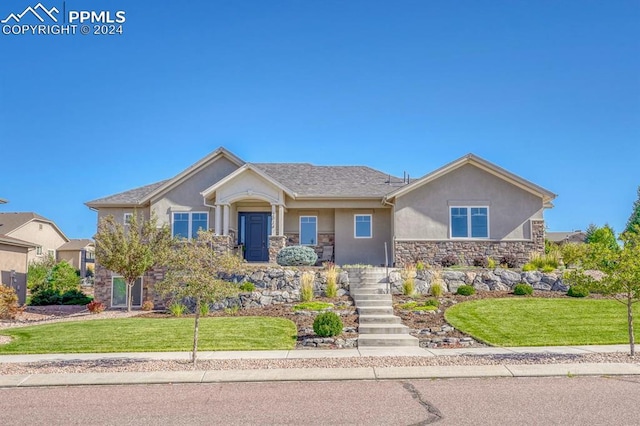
(549,90)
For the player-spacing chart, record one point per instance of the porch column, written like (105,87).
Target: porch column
(274,219)
(225,219)
(281,220)
(217,224)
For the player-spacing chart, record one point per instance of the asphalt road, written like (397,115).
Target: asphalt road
(496,401)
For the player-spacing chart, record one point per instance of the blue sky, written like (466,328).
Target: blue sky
(549,90)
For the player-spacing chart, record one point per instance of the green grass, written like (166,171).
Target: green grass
(152,335)
(312,306)
(543,322)
(414,306)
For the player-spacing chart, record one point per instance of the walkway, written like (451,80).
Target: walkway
(312,374)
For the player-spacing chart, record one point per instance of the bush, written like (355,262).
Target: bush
(436,289)
(332,280)
(95,307)
(204,309)
(431,302)
(45,297)
(528,267)
(509,260)
(64,278)
(306,286)
(466,290)
(448,261)
(573,253)
(420,266)
(147,305)
(408,287)
(578,291)
(327,324)
(247,287)
(177,309)
(297,256)
(313,306)
(75,297)
(523,289)
(480,261)
(8,303)
(491,263)
(548,268)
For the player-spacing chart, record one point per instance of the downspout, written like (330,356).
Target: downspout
(385,201)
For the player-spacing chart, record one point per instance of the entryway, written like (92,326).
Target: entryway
(254,235)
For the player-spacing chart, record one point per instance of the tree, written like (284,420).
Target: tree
(193,271)
(39,273)
(131,250)
(64,277)
(605,235)
(621,279)
(634,219)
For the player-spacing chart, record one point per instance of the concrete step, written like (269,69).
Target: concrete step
(375,310)
(372,303)
(359,296)
(387,340)
(379,319)
(383,329)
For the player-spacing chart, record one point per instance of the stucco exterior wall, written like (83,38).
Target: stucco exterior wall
(118,213)
(351,250)
(41,234)
(326,220)
(423,214)
(186,196)
(72,257)
(14,258)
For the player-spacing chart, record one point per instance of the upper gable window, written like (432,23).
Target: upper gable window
(362,226)
(308,230)
(469,222)
(187,224)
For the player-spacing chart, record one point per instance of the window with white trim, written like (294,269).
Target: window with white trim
(308,230)
(362,226)
(187,224)
(39,251)
(51,253)
(469,222)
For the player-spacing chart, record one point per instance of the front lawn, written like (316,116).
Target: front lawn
(152,335)
(543,321)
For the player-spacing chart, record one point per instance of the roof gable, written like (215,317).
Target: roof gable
(546,195)
(243,170)
(76,244)
(10,222)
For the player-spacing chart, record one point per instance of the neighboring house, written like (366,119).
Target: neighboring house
(41,232)
(14,264)
(567,237)
(469,207)
(79,253)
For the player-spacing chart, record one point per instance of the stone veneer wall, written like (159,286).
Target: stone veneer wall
(276,243)
(102,285)
(432,252)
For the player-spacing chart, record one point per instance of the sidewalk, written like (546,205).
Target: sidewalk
(315,374)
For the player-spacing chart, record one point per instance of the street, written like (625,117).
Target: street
(526,401)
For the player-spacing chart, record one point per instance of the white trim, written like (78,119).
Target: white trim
(469,230)
(190,221)
(125,284)
(370,225)
(213,188)
(38,250)
(300,231)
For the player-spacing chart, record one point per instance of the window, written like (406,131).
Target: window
(51,253)
(308,230)
(119,292)
(362,226)
(127,218)
(469,222)
(186,225)
(39,251)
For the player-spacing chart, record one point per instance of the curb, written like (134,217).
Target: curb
(319,374)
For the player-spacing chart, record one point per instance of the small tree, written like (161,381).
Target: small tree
(39,273)
(634,219)
(621,280)
(192,273)
(131,250)
(64,278)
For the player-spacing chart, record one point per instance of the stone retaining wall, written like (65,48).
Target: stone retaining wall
(481,279)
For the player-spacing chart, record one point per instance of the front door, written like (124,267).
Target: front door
(254,234)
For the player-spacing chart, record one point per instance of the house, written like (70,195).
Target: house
(567,237)
(79,253)
(39,231)
(469,207)
(13,265)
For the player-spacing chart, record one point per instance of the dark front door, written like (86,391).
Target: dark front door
(254,234)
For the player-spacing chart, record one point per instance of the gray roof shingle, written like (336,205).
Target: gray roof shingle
(307,180)
(11,221)
(75,244)
(132,196)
